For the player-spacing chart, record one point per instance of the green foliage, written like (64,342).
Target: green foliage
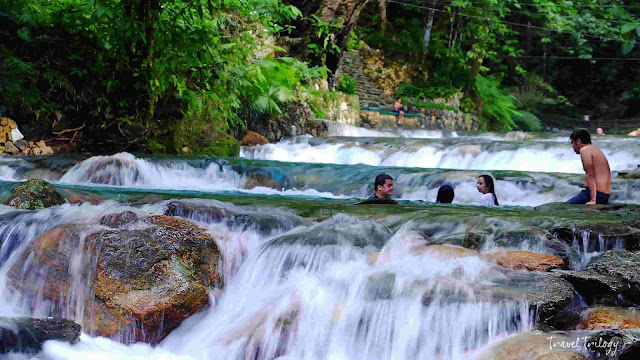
(127,64)
(320,44)
(346,84)
(526,121)
(498,108)
(422,91)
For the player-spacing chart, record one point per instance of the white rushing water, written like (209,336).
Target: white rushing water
(303,301)
(465,154)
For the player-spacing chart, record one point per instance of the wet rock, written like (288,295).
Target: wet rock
(265,222)
(120,219)
(252,138)
(611,234)
(563,355)
(134,285)
(614,344)
(444,251)
(527,260)
(198,212)
(526,346)
(380,286)
(548,294)
(35,194)
(340,230)
(21,144)
(43,174)
(610,318)
(26,335)
(609,279)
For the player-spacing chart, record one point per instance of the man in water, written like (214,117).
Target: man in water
(383,187)
(597,181)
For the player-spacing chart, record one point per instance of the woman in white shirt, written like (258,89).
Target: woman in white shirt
(485,186)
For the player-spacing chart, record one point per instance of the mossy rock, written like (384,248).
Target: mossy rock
(224,147)
(35,194)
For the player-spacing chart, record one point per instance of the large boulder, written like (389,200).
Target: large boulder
(610,279)
(26,335)
(35,194)
(136,280)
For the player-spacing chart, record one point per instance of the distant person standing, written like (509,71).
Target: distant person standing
(597,182)
(599,131)
(486,187)
(382,187)
(445,195)
(398,109)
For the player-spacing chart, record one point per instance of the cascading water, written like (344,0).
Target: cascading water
(309,283)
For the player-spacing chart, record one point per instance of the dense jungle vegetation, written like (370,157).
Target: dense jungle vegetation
(162,75)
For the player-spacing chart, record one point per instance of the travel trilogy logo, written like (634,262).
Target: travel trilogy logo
(585,343)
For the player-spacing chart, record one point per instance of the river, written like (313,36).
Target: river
(301,250)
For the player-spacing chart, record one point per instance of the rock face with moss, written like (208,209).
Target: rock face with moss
(133,285)
(35,194)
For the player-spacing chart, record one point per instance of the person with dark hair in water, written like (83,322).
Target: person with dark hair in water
(597,182)
(486,187)
(445,195)
(382,187)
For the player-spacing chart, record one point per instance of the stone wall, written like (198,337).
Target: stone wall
(340,107)
(360,64)
(12,142)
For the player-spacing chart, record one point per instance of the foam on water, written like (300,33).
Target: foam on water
(304,301)
(464,154)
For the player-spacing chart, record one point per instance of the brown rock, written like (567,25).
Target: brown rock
(10,148)
(142,281)
(47,150)
(41,144)
(4,121)
(12,124)
(3,137)
(36,151)
(562,355)
(610,318)
(31,144)
(1,149)
(529,260)
(252,138)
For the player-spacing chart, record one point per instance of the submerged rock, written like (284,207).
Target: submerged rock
(133,284)
(26,335)
(610,279)
(35,194)
(264,222)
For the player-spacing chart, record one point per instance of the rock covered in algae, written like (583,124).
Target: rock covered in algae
(35,194)
(27,334)
(136,281)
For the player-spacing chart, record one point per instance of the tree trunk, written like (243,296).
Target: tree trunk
(343,13)
(427,22)
(382,4)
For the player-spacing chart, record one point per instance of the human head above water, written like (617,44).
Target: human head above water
(579,139)
(383,185)
(485,186)
(445,195)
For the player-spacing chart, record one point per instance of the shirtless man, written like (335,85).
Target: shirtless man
(597,181)
(398,109)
